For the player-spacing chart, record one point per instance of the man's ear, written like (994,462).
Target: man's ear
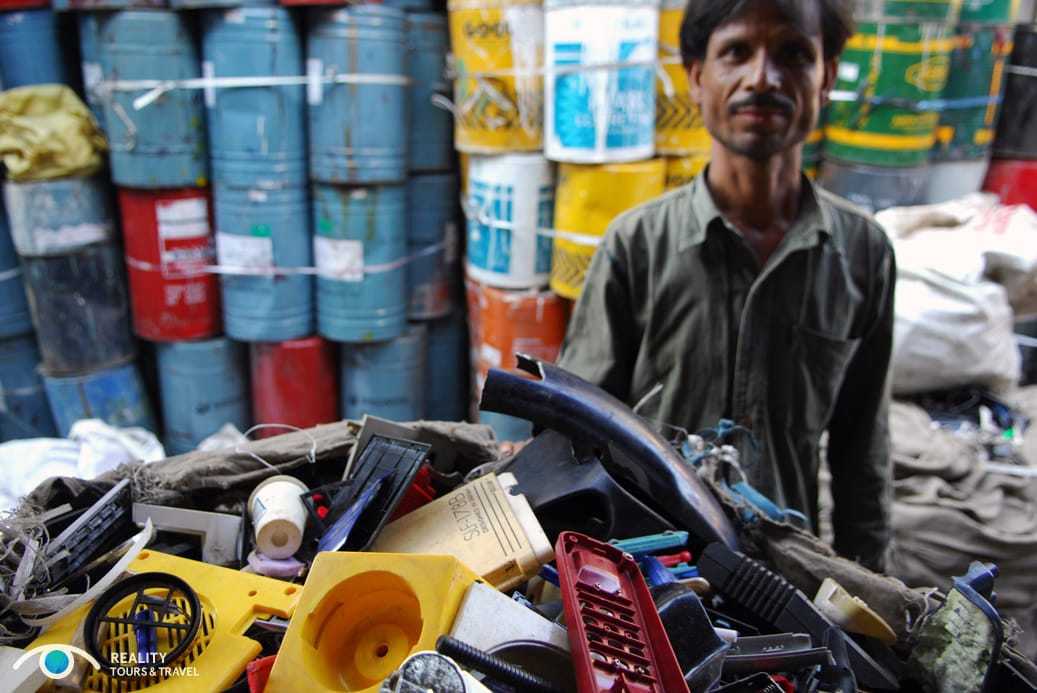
(828,80)
(694,71)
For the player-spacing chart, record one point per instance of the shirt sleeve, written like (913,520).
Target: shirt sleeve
(600,342)
(859,445)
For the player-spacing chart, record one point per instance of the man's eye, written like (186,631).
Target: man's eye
(735,51)
(796,53)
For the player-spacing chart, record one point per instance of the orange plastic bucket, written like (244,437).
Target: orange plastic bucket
(504,322)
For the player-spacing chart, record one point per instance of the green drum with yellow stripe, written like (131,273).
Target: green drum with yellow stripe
(813,146)
(888,81)
(991,11)
(968,113)
(943,11)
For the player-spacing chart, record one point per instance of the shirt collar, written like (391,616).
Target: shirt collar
(812,225)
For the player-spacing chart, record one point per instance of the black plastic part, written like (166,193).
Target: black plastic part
(578,495)
(778,662)
(103,526)
(334,498)
(700,651)
(472,657)
(837,677)
(1016,676)
(640,459)
(770,600)
(155,592)
(381,455)
(757,683)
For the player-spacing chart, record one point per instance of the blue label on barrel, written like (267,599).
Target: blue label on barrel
(491,234)
(628,121)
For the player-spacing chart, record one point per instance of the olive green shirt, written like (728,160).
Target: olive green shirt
(674,295)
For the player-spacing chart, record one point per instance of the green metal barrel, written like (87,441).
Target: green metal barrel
(968,116)
(889,78)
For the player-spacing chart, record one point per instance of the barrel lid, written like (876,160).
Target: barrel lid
(555,4)
(457,5)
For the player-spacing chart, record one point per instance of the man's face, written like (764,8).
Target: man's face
(763,81)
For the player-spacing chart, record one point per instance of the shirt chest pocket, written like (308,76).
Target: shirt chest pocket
(817,368)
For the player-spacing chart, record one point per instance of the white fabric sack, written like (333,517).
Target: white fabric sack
(92,448)
(951,333)
(970,239)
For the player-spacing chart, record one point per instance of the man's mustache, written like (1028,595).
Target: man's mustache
(771,100)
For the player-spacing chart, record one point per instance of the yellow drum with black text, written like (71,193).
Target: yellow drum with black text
(498,48)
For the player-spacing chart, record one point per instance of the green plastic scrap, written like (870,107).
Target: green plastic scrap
(954,648)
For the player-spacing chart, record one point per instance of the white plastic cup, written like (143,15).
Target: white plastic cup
(278,516)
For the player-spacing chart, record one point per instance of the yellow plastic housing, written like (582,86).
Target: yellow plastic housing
(362,614)
(231,601)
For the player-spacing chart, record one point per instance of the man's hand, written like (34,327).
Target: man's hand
(512,447)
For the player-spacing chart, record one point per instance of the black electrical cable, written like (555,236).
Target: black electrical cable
(472,657)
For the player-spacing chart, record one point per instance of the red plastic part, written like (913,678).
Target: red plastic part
(259,673)
(294,382)
(168,240)
(420,492)
(1014,180)
(617,638)
(22,4)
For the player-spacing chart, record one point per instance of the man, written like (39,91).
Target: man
(750,294)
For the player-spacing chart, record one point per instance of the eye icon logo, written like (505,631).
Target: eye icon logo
(57,661)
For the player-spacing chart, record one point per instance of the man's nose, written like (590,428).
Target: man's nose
(763,73)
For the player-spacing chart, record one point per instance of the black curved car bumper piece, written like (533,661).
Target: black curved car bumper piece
(600,425)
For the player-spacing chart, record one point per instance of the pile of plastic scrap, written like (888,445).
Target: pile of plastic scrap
(384,556)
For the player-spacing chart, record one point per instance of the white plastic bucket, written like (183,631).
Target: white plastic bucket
(508,201)
(599,84)
(278,515)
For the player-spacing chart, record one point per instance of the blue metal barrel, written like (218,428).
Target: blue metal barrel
(114,394)
(80,308)
(62,5)
(30,49)
(157,138)
(410,5)
(51,217)
(432,228)
(358,130)
(259,229)
(203,385)
(359,249)
(64,231)
(257,134)
(191,4)
(386,379)
(446,386)
(431,128)
(24,409)
(15,318)
(89,28)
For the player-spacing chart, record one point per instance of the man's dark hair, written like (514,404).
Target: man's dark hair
(702,17)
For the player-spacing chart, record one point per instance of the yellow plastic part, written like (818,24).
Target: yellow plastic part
(481,524)
(587,198)
(231,602)
(362,614)
(851,613)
